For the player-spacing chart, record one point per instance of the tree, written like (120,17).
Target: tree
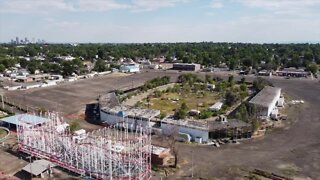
(100,66)
(243,80)
(244,116)
(243,87)
(205,114)
(33,66)
(313,68)
(259,83)
(231,98)
(231,81)
(2,68)
(208,78)
(182,112)
(67,68)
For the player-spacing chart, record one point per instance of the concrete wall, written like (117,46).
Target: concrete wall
(113,119)
(274,103)
(192,132)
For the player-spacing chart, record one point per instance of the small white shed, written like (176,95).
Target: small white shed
(216,107)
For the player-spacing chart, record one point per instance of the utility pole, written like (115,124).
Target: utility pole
(30,157)
(2,100)
(192,164)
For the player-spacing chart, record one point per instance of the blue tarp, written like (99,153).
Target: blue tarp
(26,118)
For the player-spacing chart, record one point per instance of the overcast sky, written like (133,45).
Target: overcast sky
(113,21)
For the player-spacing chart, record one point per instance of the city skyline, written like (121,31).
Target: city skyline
(139,21)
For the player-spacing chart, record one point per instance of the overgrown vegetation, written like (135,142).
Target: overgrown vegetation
(159,81)
(192,92)
(259,83)
(182,112)
(74,126)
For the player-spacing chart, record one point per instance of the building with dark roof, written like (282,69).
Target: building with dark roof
(293,72)
(186,67)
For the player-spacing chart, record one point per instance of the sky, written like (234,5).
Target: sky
(144,21)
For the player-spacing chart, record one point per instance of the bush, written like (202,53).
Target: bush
(182,112)
(163,115)
(231,98)
(260,83)
(74,126)
(205,114)
(159,81)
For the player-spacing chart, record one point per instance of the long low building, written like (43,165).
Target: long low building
(266,100)
(186,67)
(293,72)
(112,112)
(204,130)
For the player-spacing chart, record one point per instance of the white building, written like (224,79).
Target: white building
(266,100)
(65,58)
(196,131)
(216,107)
(131,68)
(111,112)
(201,131)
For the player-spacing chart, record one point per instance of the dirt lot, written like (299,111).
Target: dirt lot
(291,151)
(71,98)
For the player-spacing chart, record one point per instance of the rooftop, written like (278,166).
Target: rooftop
(38,166)
(26,118)
(232,123)
(109,103)
(158,150)
(208,125)
(266,96)
(125,111)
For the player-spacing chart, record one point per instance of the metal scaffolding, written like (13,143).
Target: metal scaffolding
(108,153)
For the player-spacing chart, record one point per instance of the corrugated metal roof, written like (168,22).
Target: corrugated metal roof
(39,166)
(26,118)
(265,96)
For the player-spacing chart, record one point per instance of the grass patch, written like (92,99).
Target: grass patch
(3,133)
(169,102)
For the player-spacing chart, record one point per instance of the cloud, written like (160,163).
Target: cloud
(47,6)
(34,6)
(283,6)
(150,5)
(99,5)
(216,4)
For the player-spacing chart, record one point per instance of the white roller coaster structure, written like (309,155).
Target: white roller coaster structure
(107,153)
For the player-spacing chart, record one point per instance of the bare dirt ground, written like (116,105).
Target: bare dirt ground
(291,151)
(72,97)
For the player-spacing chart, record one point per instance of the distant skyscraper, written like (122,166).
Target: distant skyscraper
(17,40)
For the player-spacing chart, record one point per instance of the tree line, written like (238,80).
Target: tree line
(234,55)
